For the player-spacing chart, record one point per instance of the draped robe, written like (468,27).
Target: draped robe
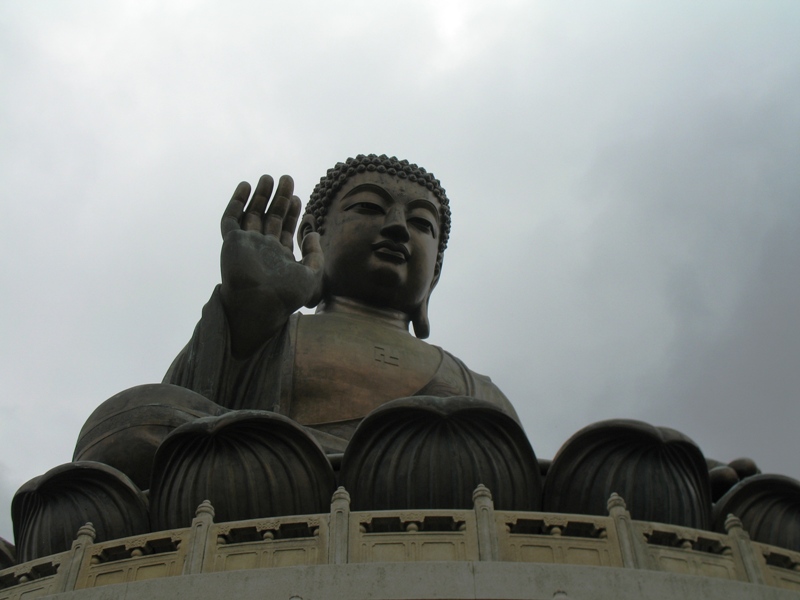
(266,379)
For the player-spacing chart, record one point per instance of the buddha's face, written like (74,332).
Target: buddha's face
(380,240)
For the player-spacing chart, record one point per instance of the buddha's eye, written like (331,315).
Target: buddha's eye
(366,208)
(423,225)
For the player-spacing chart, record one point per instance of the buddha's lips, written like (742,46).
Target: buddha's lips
(392,250)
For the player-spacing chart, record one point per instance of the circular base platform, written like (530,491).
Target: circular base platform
(429,580)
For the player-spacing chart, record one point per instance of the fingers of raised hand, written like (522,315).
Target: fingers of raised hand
(290,222)
(254,213)
(279,207)
(265,185)
(276,218)
(232,216)
(285,187)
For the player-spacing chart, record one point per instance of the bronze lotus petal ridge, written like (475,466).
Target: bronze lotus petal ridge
(430,452)
(48,510)
(769,508)
(249,464)
(661,474)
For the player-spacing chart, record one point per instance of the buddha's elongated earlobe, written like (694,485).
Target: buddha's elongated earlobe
(422,327)
(419,318)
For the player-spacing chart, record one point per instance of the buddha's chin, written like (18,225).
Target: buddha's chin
(387,273)
(381,284)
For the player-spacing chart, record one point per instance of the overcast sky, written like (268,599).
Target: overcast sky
(624,177)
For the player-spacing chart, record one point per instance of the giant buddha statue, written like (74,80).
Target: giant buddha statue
(267,409)
(373,239)
(261,411)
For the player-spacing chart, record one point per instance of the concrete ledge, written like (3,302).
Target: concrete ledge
(436,580)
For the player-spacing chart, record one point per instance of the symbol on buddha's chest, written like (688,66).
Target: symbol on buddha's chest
(344,368)
(386,355)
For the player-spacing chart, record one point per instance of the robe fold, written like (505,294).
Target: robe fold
(263,381)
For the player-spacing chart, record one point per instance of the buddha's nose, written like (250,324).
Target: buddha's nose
(394,226)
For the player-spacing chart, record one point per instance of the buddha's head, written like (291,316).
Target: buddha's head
(384,226)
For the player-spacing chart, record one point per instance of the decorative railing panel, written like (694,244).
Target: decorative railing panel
(263,543)
(134,559)
(691,551)
(32,579)
(782,567)
(557,538)
(399,536)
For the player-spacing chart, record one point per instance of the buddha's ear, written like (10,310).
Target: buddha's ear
(307,225)
(422,326)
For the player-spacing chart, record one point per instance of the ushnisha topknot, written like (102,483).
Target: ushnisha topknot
(336,177)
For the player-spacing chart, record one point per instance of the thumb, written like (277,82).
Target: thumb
(312,252)
(314,260)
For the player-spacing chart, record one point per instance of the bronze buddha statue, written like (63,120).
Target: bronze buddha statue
(373,238)
(267,409)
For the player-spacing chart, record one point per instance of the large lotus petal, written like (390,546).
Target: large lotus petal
(429,452)
(769,508)
(249,464)
(660,473)
(48,510)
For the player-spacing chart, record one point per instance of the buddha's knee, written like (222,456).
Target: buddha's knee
(125,430)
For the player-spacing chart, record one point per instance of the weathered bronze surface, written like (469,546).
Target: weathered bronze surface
(429,452)
(249,464)
(768,505)
(372,241)
(126,430)
(264,404)
(48,510)
(660,472)
(256,372)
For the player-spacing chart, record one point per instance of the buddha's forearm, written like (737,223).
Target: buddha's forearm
(254,315)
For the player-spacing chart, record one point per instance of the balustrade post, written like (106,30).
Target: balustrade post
(487,528)
(199,538)
(339,528)
(631,544)
(70,568)
(745,550)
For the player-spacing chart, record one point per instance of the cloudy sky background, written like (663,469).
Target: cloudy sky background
(625,182)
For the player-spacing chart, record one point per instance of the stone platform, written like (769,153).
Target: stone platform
(420,554)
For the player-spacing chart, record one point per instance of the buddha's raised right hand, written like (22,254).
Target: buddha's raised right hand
(262,283)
